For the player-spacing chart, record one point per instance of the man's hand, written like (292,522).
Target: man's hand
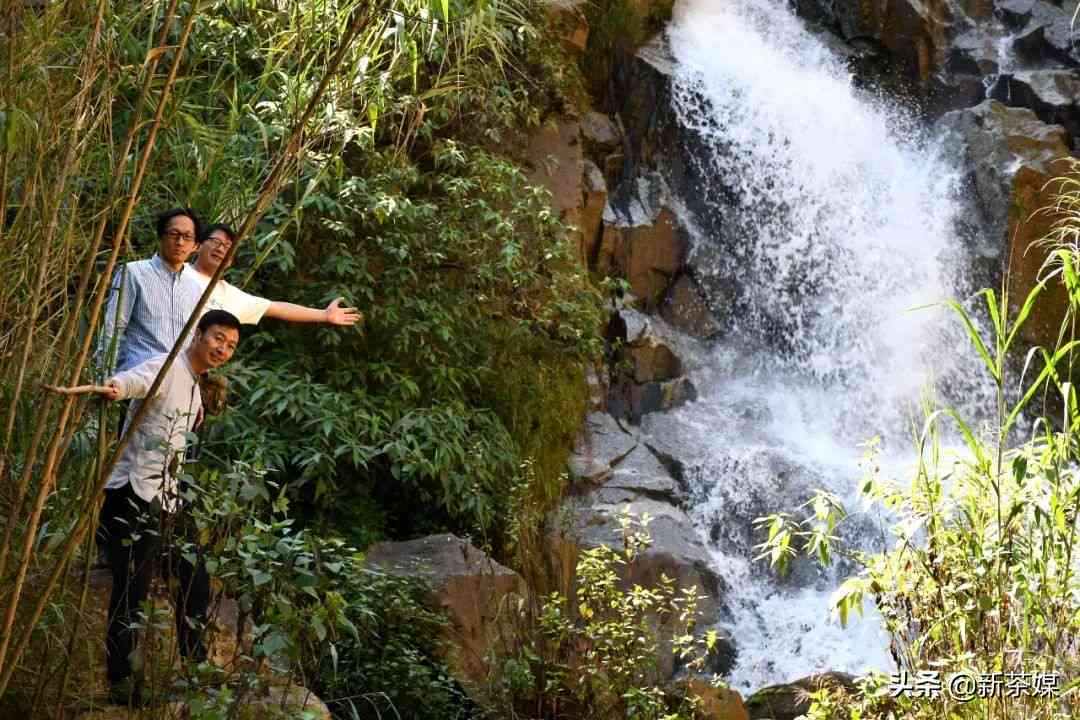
(337,315)
(109,390)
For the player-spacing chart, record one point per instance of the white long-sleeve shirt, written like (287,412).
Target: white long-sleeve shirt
(150,459)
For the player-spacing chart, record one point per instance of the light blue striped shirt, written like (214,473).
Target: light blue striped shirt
(153,307)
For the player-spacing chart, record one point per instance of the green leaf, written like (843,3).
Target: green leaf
(995,315)
(1022,316)
(973,334)
(1048,369)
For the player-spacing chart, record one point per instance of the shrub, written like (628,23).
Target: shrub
(594,651)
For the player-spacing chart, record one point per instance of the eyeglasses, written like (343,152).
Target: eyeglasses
(220,241)
(174,235)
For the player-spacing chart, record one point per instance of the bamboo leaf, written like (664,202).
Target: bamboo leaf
(969,437)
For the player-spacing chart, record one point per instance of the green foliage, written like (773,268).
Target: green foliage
(363,641)
(401,199)
(477,320)
(392,667)
(595,651)
(468,290)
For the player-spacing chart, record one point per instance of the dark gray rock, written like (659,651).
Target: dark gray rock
(792,700)
(603,443)
(993,142)
(647,366)
(1053,95)
(1045,32)
(641,473)
(676,550)
(599,129)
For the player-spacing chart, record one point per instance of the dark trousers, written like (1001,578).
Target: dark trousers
(135,533)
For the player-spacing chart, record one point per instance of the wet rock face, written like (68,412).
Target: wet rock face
(647,370)
(1043,30)
(1053,95)
(1011,155)
(614,473)
(644,242)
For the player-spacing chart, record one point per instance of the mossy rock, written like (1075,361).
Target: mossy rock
(618,26)
(791,700)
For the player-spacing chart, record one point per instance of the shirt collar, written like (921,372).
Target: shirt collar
(187,363)
(160,265)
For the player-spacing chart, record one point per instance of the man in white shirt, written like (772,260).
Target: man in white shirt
(141,496)
(248,308)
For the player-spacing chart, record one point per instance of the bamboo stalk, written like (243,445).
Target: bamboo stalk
(84,280)
(267,193)
(53,451)
(92,508)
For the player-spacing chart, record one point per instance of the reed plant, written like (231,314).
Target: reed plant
(980,587)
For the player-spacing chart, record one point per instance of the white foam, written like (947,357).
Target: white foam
(839,201)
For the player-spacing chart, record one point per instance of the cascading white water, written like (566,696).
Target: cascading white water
(834,220)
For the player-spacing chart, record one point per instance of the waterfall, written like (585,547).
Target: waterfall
(829,219)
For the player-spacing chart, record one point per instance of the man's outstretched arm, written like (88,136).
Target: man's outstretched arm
(111,392)
(334,314)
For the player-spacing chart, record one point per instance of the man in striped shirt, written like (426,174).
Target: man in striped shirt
(151,300)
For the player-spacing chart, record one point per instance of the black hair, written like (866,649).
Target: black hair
(218,317)
(211,229)
(162,221)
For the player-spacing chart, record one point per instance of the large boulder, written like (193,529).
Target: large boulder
(638,483)
(642,474)
(792,700)
(462,582)
(1044,32)
(1011,155)
(601,445)
(592,520)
